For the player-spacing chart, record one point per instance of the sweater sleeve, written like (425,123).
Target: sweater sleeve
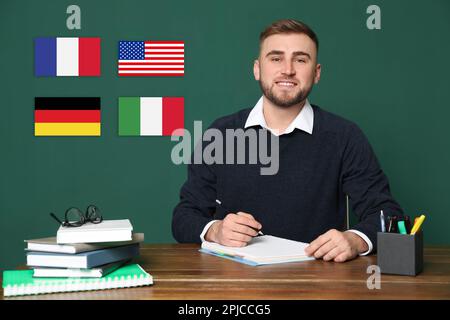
(366,184)
(197,203)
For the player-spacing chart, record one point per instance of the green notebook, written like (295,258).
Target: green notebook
(21,282)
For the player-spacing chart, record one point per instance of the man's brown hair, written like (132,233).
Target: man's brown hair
(287,26)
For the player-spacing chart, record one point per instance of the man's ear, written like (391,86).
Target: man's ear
(256,69)
(317,76)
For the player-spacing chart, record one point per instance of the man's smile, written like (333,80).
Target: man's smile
(286,83)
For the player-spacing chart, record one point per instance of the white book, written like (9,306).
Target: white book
(261,250)
(98,272)
(106,231)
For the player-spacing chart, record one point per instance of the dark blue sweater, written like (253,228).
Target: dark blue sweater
(305,198)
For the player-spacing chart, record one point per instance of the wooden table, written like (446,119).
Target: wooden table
(181,272)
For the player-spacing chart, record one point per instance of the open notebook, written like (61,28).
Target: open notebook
(21,282)
(261,250)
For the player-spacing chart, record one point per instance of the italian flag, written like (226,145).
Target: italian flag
(59,57)
(151,116)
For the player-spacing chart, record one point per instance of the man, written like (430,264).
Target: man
(322,157)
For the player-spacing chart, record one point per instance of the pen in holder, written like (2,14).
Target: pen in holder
(400,254)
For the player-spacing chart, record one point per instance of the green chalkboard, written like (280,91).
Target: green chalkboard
(392,81)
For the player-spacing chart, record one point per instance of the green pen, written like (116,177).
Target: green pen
(401,227)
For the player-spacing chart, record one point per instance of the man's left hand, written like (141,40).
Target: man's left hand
(337,246)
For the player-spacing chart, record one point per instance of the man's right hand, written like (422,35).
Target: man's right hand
(235,230)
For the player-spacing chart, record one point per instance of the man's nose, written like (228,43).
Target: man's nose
(288,68)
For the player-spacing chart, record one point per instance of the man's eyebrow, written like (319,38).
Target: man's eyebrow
(302,53)
(274,52)
(296,53)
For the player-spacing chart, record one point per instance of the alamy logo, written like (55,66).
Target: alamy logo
(374,20)
(231,146)
(74,20)
(374,280)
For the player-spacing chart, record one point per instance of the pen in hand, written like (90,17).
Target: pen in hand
(226,209)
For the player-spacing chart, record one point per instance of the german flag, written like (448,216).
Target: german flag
(66,116)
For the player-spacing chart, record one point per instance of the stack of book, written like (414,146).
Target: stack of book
(89,257)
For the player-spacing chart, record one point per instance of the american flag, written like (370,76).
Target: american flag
(151,58)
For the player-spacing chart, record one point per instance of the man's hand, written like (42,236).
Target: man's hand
(337,246)
(236,230)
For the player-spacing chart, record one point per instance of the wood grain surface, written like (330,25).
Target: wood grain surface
(181,272)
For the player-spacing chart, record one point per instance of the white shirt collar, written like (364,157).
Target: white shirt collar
(304,120)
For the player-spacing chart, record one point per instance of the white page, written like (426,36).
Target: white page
(262,247)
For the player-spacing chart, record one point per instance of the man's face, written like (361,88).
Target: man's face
(287,68)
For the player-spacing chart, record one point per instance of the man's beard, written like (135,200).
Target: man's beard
(284,102)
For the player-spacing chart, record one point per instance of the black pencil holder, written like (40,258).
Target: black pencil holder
(400,254)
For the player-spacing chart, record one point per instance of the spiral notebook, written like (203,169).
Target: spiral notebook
(21,282)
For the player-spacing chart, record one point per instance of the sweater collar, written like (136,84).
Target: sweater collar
(304,120)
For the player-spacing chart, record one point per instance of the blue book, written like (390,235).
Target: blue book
(83,260)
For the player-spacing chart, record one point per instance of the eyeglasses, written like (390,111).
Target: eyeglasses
(74,217)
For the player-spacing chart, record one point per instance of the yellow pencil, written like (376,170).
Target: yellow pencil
(417,225)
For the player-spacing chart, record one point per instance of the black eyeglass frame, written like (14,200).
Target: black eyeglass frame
(92,215)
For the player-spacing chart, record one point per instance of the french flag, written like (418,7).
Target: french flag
(59,57)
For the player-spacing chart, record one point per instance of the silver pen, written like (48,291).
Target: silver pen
(383,224)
